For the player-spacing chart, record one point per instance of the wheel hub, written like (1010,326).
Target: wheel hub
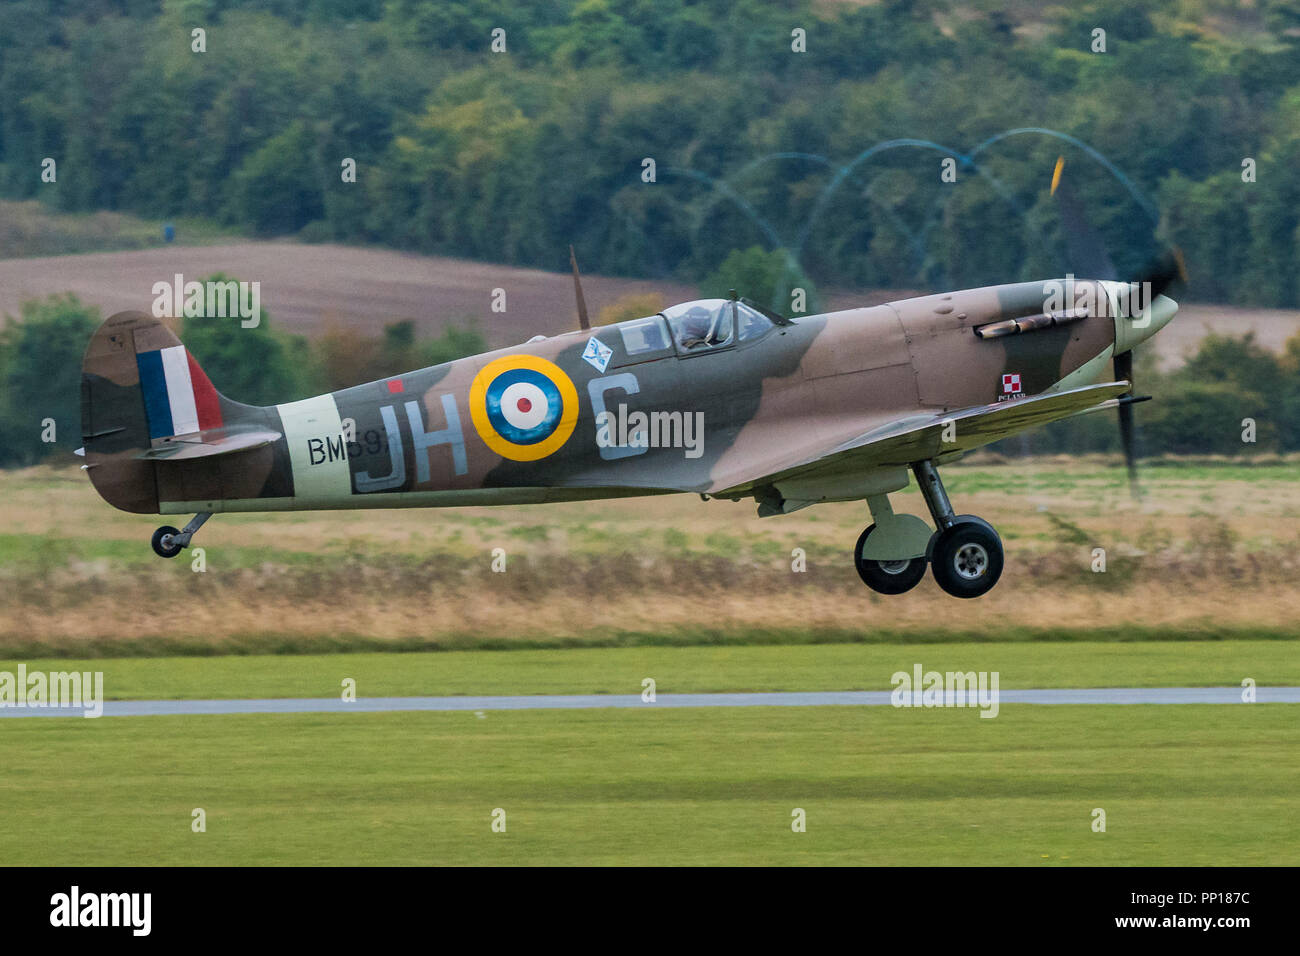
(971,561)
(894,567)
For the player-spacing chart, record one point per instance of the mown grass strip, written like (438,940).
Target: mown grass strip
(1185,785)
(686,669)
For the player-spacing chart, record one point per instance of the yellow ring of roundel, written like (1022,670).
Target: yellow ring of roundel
(479,415)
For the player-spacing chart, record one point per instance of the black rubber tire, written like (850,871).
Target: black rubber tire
(158,548)
(875,575)
(967,558)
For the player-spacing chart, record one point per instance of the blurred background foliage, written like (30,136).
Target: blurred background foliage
(510,157)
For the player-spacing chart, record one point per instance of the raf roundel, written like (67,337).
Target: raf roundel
(523,407)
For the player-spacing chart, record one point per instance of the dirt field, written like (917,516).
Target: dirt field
(305,287)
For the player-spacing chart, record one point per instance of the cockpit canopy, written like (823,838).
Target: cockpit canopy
(713,323)
(691,328)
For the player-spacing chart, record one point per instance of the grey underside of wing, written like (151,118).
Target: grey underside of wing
(926,436)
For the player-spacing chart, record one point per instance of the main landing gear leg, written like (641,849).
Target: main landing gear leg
(168,542)
(965,553)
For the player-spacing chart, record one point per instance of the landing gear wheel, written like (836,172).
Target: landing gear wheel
(887,577)
(967,558)
(162,542)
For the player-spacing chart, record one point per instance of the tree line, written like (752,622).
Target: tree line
(505,131)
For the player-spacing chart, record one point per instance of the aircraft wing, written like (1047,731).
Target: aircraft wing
(921,437)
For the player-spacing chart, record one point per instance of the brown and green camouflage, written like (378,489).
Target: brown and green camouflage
(821,407)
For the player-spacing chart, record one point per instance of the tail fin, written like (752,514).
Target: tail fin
(141,390)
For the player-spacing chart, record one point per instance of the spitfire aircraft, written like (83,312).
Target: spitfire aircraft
(717,397)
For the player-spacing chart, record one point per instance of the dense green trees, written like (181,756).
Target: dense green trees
(768,278)
(40,378)
(511,156)
(257,365)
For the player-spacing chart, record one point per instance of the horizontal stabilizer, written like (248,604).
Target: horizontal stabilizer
(216,441)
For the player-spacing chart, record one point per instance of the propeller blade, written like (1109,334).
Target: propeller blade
(1087,252)
(1124,367)
(1089,258)
(1124,372)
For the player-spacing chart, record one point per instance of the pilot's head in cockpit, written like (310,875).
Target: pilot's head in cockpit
(695,325)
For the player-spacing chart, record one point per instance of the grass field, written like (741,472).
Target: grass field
(1186,785)
(687,669)
(30,228)
(1210,553)
(1200,589)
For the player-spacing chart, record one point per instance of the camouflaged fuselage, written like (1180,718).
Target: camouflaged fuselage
(442,435)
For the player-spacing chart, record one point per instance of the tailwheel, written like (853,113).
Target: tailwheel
(887,577)
(967,557)
(168,542)
(164,542)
